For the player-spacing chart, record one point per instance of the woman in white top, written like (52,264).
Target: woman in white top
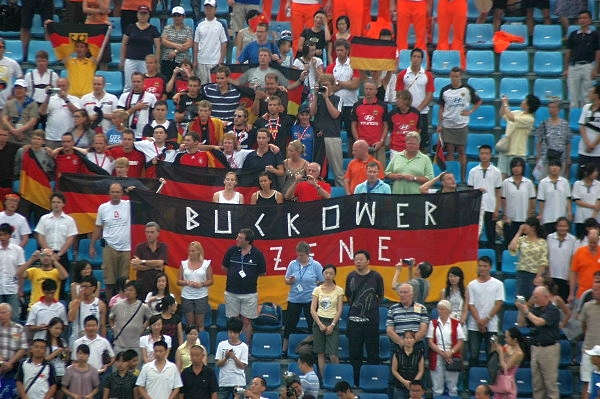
(456,294)
(589,129)
(585,193)
(195,276)
(229,195)
(159,291)
(147,341)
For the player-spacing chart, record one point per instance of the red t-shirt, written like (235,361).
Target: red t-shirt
(306,192)
(155,85)
(402,124)
(198,158)
(369,118)
(71,163)
(136,160)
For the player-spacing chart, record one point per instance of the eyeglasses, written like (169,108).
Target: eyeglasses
(178,15)
(238,116)
(261,31)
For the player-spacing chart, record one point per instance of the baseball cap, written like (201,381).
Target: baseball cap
(178,10)
(286,35)
(143,9)
(212,3)
(21,82)
(595,351)
(303,109)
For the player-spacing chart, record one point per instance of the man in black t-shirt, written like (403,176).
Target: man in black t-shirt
(187,107)
(364,291)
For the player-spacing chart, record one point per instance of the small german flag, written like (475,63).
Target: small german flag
(35,184)
(373,54)
(64,36)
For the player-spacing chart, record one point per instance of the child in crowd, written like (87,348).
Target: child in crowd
(119,119)
(285,49)
(81,380)
(121,383)
(232,358)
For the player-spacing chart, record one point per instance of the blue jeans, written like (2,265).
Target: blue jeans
(524,284)
(474,344)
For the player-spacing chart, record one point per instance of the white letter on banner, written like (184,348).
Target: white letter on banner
(429,208)
(349,250)
(336,209)
(277,258)
(291,224)
(365,208)
(382,248)
(260,231)
(228,231)
(190,218)
(312,245)
(399,215)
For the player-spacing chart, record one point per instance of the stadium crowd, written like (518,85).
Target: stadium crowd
(137,340)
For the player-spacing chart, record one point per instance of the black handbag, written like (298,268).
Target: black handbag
(456,363)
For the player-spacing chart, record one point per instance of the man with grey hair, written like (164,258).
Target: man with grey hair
(149,259)
(407,315)
(13,346)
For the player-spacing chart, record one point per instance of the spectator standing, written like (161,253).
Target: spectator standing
(159,379)
(518,199)
(561,246)
(224,96)
(150,258)
(406,315)
(121,383)
(59,109)
(373,184)
(277,123)
(232,359)
(86,304)
(303,275)
(228,195)
(510,357)
(417,278)
(155,334)
(140,38)
(210,42)
(584,264)
(100,105)
(20,233)
(364,291)
(176,40)
(127,319)
(137,103)
(10,71)
(243,263)
(8,151)
(408,364)
(20,114)
(356,171)
(410,168)
(251,53)
(410,12)
(44,310)
(132,160)
(267,89)
(13,342)
(195,275)
(100,354)
(263,157)
(554,196)
(311,187)
(453,16)
(581,59)
(154,82)
(243,11)
(554,140)
(589,129)
(45,9)
(36,378)
(326,310)
(458,101)
(199,381)
(81,69)
(81,380)
(50,268)
(12,258)
(486,297)
(590,320)
(318,34)
(159,112)
(456,294)
(403,119)
(543,318)
(158,292)
(294,164)
(487,178)
(39,78)
(419,83)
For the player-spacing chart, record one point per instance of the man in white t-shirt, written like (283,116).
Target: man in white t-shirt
(59,110)
(99,104)
(210,43)
(97,344)
(138,104)
(159,379)
(20,235)
(486,297)
(113,224)
(232,359)
(10,70)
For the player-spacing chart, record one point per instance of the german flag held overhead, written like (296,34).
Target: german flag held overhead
(373,54)
(64,36)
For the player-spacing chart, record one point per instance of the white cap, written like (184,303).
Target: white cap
(178,10)
(21,82)
(210,3)
(595,351)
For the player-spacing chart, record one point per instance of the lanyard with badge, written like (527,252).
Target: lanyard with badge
(302,272)
(242,272)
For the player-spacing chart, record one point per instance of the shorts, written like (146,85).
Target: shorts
(115,264)
(195,306)
(241,304)
(586,367)
(327,344)
(541,4)
(483,6)
(43,7)
(499,4)
(238,16)
(455,135)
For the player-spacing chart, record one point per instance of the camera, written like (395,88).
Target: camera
(53,90)
(322,89)
(371,149)
(408,262)
(520,298)
(290,392)
(493,338)
(239,390)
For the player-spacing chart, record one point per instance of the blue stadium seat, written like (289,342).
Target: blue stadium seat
(330,395)
(491,254)
(573,171)
(335,373)
(371,395)
(344,318)
(385,348)
(439,84)
(547,37)
(221,317)
(383,311)
(99,276)
(37,45)
(266,345)
(204,337)
(13,49)
(234,54)
(516,89)
(484,118)
(116,34)
(454,168)
(443,61)
(479,36)
(480,62)
(509,263)
(542,114)
(189,22)
(344,347)
(374,8)
(434,120)
(156,23)
(510,285)
(548,63)
(294,340)
(565,383)
(436,33)
(276,27)
(472,13)
(514,63)
(374,377)
(485,88)
(509,319)
(84,252)
(574,114)
(37,28)
(337,192)
(575,147)
(31,247)
(477,376)
(523,381)
(269,371)
(471,165)
(114,81)
(187,6)
(565,353)
(548,89)
(519,30)
(115,49)
(223,9)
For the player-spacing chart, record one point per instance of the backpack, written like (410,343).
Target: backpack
(269,314)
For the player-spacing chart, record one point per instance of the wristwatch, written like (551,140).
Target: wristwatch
(143,261)
(415,179)
(337,82)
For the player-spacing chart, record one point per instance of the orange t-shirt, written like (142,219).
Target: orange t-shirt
(585,264)
(133,5)
(356,172)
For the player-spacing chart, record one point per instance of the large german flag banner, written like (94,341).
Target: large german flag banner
(200,184)
(64,36)
(292,75)
(373,54)
(439,228)
(35,185)
(85,193)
